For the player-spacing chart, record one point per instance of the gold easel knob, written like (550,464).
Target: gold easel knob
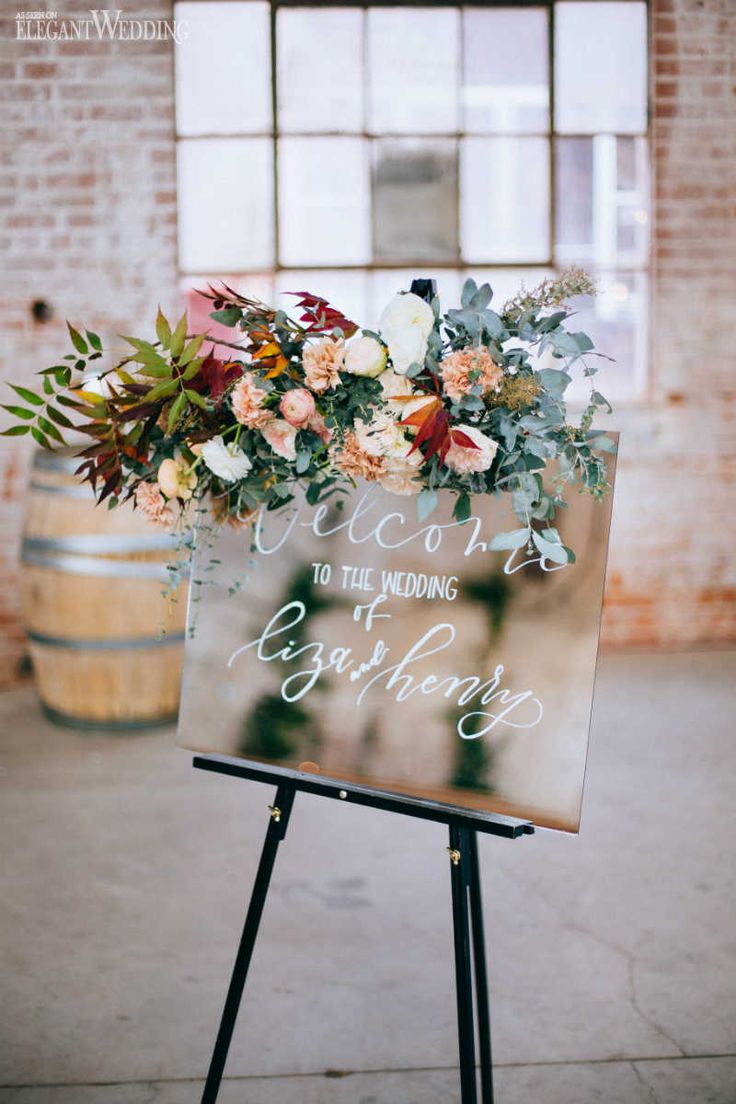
(275,812)
(454,855)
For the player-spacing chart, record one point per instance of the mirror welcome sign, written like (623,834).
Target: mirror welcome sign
(368,646)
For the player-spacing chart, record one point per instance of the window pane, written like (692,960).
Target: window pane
(616,319)
(320,69)
(223,69)
(413,70)
(504,199)
(348,291)
(225,204)
(324,201)
(506,83)
(415,200)
(602,201)
(600,67)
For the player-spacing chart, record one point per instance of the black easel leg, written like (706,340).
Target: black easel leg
(481,975)
(460,873)
(280,811)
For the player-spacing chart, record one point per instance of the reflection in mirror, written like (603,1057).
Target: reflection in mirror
(401,654)
(506,83)
(415,201)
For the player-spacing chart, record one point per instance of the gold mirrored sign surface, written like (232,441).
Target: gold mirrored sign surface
(403,655)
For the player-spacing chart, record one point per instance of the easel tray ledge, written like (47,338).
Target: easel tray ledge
(495,824)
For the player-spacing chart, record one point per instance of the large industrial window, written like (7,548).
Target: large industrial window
(346,149)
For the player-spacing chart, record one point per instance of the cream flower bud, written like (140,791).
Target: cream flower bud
(176,480)
(364,356)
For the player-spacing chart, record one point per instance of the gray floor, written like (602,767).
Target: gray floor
(125,875)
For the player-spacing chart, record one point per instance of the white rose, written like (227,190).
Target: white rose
(364,356)
(229,462)
(405,325)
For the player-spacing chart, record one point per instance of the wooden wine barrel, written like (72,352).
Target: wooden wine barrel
(107,646)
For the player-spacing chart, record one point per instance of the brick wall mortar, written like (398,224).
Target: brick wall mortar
(672,571)
(87,219)
(88,222)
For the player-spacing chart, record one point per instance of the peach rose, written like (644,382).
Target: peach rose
(298,407)
(468,368)
(247,401)
(281,437)
(322,363)
(461,458)
(152,505)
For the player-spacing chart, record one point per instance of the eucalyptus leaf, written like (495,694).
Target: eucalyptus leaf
(303,460)
(507,542)
(426,503)
(549,549)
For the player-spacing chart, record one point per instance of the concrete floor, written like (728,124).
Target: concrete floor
(125,875)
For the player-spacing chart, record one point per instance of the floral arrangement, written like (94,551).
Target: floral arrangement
(429,401)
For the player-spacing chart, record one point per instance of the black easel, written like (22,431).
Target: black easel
(467,909)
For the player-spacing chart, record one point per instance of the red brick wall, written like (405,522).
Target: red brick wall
(672,574)
(87,217)
(87,222)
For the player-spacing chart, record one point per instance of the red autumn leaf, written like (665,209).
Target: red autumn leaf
(423,413)
(434,432)
(460,438)
(321,316)
(216,376)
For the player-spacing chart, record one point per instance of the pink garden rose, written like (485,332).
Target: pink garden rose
(298,407)
(281,437)
(461,458)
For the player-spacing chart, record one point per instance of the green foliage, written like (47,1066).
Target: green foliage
(164,398)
